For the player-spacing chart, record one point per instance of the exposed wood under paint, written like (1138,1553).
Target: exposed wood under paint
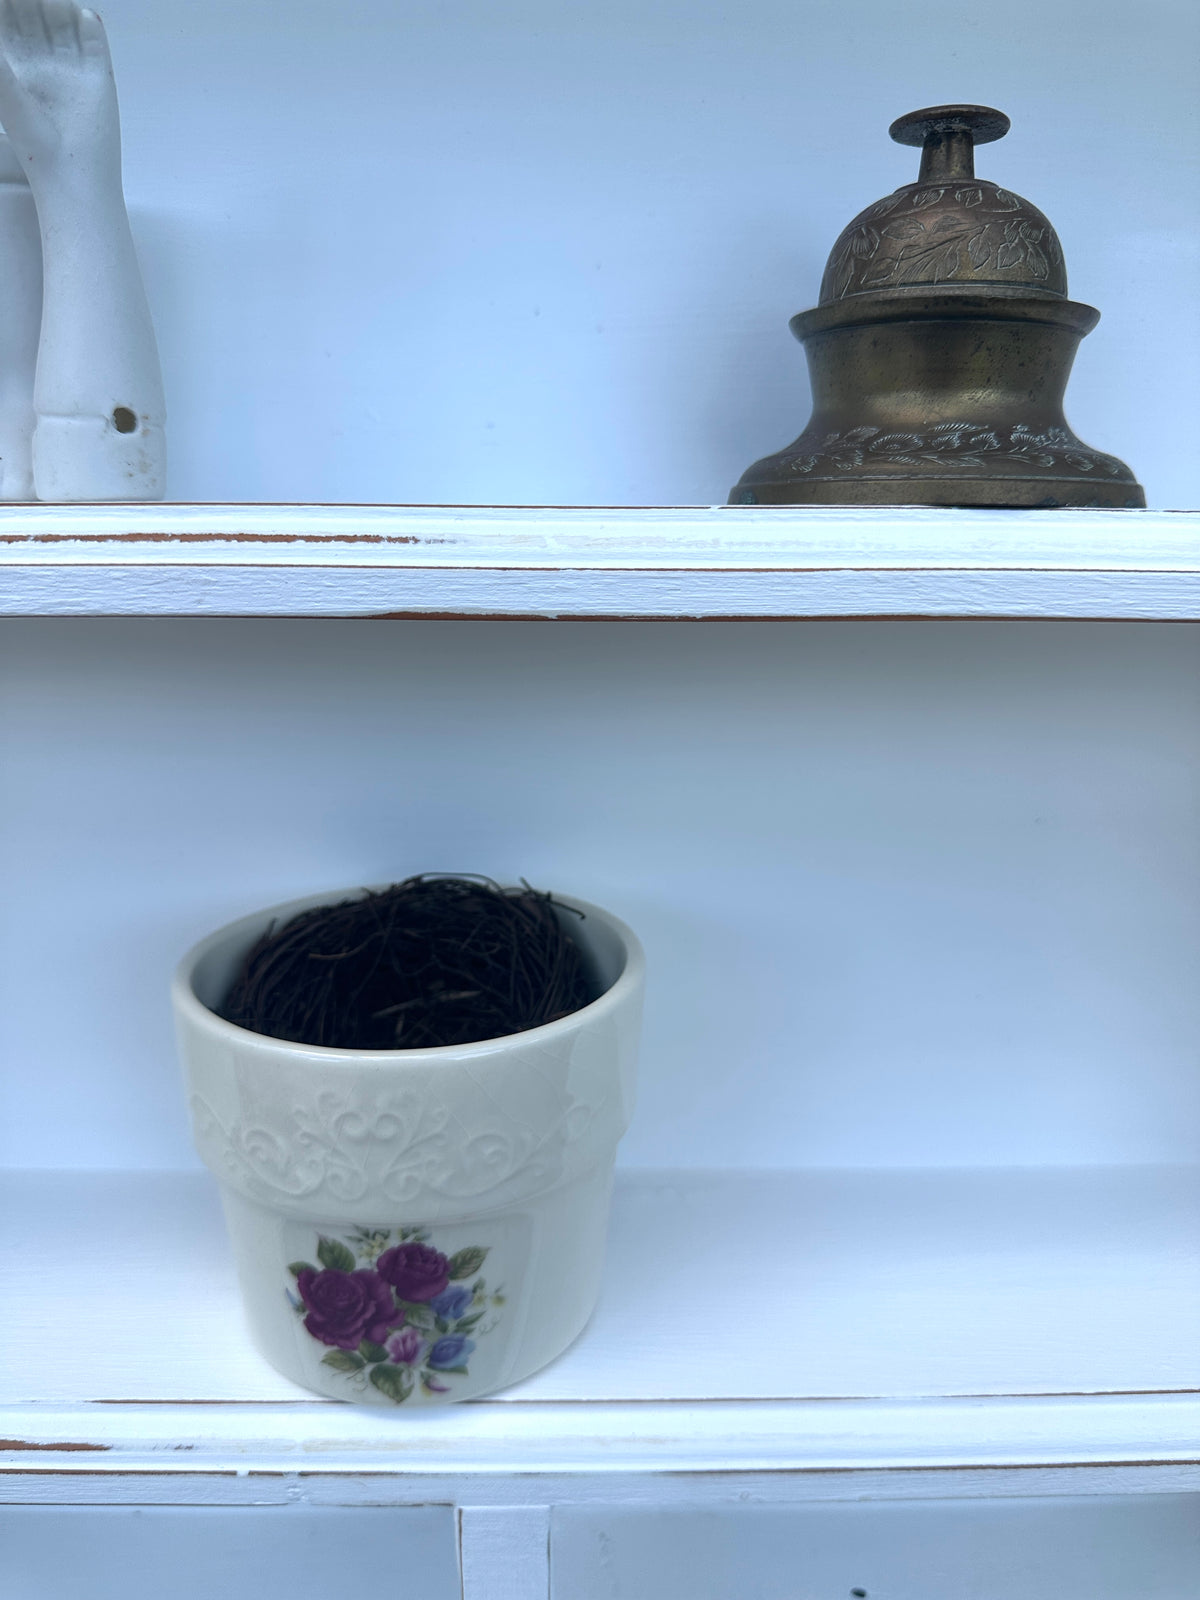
(270,560)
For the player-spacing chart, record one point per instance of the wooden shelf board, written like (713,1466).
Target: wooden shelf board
(750,1322)
(716,561)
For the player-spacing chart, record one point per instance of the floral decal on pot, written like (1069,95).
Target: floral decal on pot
(394,1310)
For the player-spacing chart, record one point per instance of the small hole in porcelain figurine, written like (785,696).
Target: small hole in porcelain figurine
(124,420)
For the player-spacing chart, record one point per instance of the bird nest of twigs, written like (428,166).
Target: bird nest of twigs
(434,960)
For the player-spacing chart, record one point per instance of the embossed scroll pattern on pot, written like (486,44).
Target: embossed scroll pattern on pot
(401,1146)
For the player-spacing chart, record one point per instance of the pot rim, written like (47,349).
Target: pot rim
(188,1005)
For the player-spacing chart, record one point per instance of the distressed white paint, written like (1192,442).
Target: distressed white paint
(716,561)
(497,1442)
(586,537)
(61,1481)
(246,591)
(904,1320)
(504,1552)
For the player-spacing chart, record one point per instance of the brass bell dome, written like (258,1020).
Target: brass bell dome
(940,350)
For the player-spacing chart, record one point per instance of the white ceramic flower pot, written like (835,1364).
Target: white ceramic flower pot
(414,1226)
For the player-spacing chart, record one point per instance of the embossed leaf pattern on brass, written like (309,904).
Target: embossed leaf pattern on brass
(943,235)
(952,444)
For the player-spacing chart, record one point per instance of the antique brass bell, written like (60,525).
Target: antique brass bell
(940,350)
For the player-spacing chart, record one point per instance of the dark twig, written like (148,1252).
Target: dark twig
(434,960)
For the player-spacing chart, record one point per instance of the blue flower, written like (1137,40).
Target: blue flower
(452,1351)
(451,1303)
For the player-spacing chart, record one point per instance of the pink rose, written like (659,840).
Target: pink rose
(405,1348)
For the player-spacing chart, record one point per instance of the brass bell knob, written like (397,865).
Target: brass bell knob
(947,136)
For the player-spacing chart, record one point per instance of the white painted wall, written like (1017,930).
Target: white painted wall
(912,893)
(539,252)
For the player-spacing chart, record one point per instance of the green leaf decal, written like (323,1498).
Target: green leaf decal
(372,1352)
(417,1316)
(297,1267)
(465,1262)
(395,1382)
(343,1361)
(465,1324)
(332,1253)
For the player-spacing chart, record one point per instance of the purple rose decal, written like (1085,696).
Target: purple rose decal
(415,1271)
(452,1351)
(344,1308)
(405,1348)
(451,1303)
(380,1307)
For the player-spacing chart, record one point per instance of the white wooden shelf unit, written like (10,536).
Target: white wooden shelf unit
(721,561)
(917,1335)
(910,1327)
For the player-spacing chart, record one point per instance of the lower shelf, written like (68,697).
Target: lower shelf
(749,1322)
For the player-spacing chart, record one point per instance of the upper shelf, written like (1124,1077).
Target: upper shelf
(546,561)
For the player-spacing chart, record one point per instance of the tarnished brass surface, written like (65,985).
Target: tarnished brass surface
(940,351)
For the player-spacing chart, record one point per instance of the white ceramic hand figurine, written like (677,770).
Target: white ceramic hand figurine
(98,431)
